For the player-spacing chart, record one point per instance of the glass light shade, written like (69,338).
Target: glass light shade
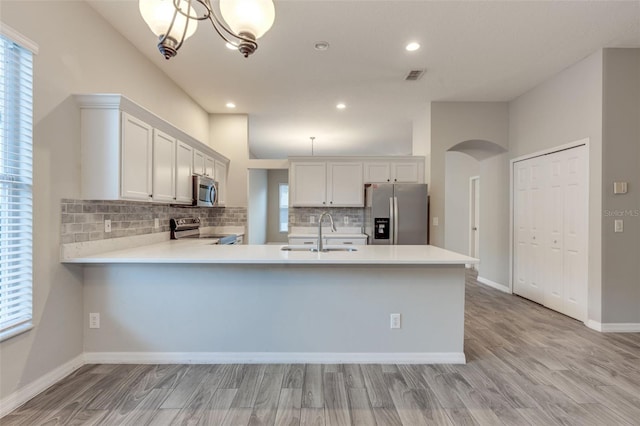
(159,13)
(248,16)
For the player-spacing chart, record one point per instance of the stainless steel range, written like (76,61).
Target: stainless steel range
(190,228)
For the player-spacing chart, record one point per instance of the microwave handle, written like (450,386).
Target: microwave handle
(214,194)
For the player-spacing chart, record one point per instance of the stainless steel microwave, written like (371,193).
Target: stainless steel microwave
(205,191)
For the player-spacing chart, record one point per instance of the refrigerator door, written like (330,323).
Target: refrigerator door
(380,197)
(411,217)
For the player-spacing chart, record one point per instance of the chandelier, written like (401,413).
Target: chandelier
(174,21)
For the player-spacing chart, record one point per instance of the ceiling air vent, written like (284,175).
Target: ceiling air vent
(414,75)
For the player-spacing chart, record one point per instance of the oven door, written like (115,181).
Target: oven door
(205,192)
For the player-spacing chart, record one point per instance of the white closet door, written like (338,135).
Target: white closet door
(550,228)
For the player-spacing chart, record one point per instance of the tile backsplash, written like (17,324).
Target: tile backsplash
(301,216)
(83,220)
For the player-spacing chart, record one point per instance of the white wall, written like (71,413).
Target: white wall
(566,108)
(421,141)
(620,162)
(257,211)
(79,53)
(451,124)
(229,136)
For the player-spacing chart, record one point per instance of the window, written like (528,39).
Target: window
(283,196)
(16,155)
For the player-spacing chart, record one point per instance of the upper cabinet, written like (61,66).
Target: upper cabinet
(131,154)
(400,170)
(326,183)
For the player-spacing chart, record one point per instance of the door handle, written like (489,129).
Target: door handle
(395,218)
(391,222)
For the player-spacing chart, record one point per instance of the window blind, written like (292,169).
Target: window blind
(16,176)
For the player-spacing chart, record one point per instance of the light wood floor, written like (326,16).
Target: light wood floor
(526,365)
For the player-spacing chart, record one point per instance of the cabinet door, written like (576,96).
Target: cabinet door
(345,185)
(405,172)
(137,148)
(184,182)
(198,162)
(209,166)
(378,172)
(220,176)
(298,241)
(308,184)
(164,163)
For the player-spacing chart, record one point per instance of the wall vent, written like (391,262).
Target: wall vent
(414,75)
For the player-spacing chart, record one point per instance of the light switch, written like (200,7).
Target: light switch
(619,225)
(619,187)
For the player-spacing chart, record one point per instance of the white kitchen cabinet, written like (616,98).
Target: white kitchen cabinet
(137,148)
(209,166)
(308,184)
(198,162)
(126,153)
(326,184)
(395,171)
(345,184)
(164,167)
(220,176)
(184,173)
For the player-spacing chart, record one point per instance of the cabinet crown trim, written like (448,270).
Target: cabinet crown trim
(122,103)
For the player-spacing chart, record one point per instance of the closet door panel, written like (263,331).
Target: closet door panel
(574,234)
(554,294)
(537,206)
(521,234)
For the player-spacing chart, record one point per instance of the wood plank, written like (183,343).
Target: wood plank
(185,388)
(336,403)
(312,417)
(289,406)
(248,390)
(359,407)
(376,386)
(266,406)
(312,393)
(294,376)
(216,411)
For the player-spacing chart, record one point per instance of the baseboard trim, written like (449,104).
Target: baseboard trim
(613,327)
(24,394)
(273,358)
(494,284)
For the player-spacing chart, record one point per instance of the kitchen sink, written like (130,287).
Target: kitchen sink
(313,249)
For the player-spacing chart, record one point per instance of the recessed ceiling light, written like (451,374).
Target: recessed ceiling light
(231,105)
(341,106)
(321,45)
(231,46)
(413,46)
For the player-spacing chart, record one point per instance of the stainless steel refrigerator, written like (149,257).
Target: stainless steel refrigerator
(397,214)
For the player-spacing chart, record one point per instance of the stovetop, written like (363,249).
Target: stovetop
(190,228)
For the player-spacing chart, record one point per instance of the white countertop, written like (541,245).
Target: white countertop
(203,252)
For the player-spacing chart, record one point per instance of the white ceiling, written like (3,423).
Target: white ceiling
(472,51)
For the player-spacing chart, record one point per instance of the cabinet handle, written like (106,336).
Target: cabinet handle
(555,241)
(330,202)
(174,198)
(324,202)
(308,242)
(150,195)
(388,180)
(395,180)
(534,238)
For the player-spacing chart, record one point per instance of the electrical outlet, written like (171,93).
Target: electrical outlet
(107,225)
(94,320)
(156,223)
(346,220)
(435,221)
(312,219)
(396,321)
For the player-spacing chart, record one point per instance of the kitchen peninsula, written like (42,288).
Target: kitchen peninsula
(190,301)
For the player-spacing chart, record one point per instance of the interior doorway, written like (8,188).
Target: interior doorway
(474,218)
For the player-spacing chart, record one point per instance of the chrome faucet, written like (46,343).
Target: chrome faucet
(333,229)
